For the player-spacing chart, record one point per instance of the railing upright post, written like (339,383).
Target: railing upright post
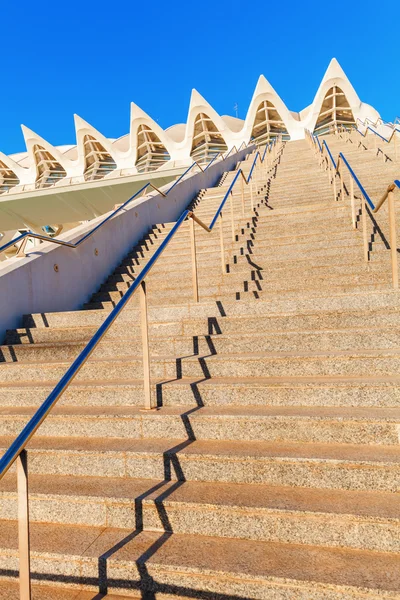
(256,174)
(23,527)
(242,190)
(334,184)
(393,240)
(232,216)
(221,239)
(22,249)
(341,186)
(353,208)
(365,233)
(194,260)
(145,346)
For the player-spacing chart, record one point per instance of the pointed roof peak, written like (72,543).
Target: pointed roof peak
(29,133)
(263,86)
(79,122)
(196,98)
(334,70)
(138,113)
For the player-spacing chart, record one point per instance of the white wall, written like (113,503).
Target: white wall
(31,285)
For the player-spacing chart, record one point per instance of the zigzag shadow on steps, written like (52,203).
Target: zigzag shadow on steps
(147,585)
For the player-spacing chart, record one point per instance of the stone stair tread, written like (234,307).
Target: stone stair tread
(215,336)
(290,488)
(250,561)
(219,412)
(228,306)
(216,381)
(361,504)
(356,353)
(10,591)
(350,453)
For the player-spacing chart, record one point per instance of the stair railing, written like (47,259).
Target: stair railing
(393,136)
(367,121)
(17,452)
(367,206)
(24,237)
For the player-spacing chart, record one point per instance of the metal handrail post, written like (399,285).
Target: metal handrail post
(393,240)
(341,186)
(364,225)
(144,320)
(352,203)
(23,527)
(334,184)
(194,260)
(232,216)
(221,238)
(242,192)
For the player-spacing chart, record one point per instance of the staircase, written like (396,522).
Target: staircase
(270,469)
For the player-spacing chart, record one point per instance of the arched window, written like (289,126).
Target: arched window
(151,152)
(98,162)
(8,178)
(207,141)
(268,124)
(49,171)
(335,110)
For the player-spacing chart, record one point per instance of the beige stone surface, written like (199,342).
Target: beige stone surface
(271,468)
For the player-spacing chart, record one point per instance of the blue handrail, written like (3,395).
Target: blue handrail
(40,415)
(352,173)
(362,189)
(247,180)
(378,134)
(329,152)
(34,423)
(221,206)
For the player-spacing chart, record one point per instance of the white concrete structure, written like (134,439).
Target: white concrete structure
(69,184)
(31,284)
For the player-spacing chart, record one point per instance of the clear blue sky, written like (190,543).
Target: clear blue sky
(93,58)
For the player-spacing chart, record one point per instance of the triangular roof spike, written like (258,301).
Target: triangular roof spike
(138,114)
(197,101)
(13,165)
(334,70)
(81,124)
(334,75)
(83,128)
(263,87)
(31,139)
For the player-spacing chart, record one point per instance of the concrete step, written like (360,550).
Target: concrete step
(250,423)
(308,322)
(327,466)
(365,391)
(362,301)
(358,362)
(341,518)
(219,343)
(9,590)
(185,565)
(250,289)
(245,272)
